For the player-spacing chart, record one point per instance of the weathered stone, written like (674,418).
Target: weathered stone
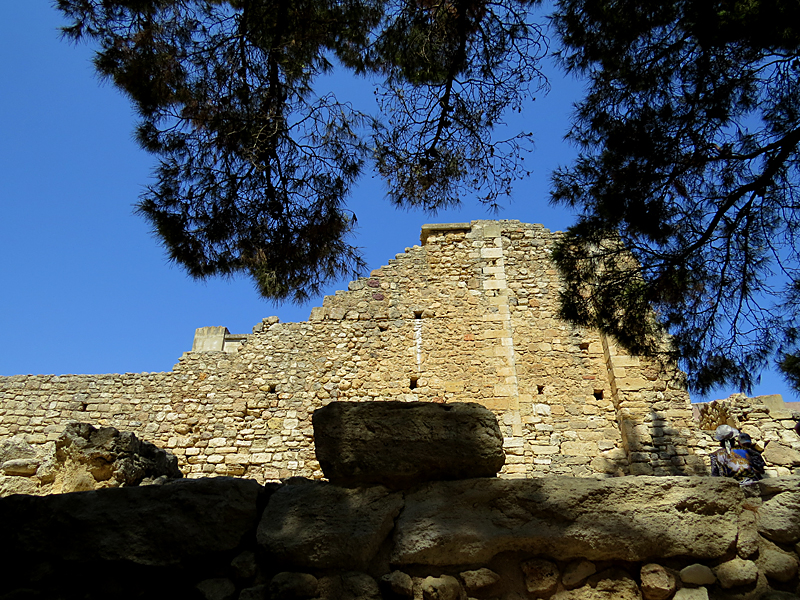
(89,458)
(698,574)
(440,588)
(779,517)
(777,453)
(320,525)
(541,576)
(700,593)
(627,518)
(17,485)
(778,485)
(257,592)
(244,565)
(748,537)
(14,448)
(611,584)
(657,582)
(22,467)
(152,525)
(778,595)
(290,586)
(399,444)
(359,586)
(217,589)
(576,572)
(775,563)
(736,572)
(478,579)
(397,583)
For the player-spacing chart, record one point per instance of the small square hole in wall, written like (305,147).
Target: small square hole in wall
(540,389)
(412,383)
(598,394)
(272,388)
(417,314)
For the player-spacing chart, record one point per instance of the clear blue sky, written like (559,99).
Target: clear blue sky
(84,288)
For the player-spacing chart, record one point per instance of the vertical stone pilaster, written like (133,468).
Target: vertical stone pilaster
(653,413)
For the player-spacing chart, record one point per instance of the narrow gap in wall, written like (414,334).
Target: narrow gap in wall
(417,314)
(84,405)
(412,383)
(540,389)
(598,394)
(273,387)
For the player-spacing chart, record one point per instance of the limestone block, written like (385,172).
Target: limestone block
(445,587)
(257,592)
(625,518)
(657,582)
(18,485)
(397,583)
(576,573)
(580,448)
(399,444)
(14,448)
(87,458)
(151,525)
(23,467)
(320,525)
(777,453)
(293,586)
(779,517)
(736,572)
(217,589)
(700,593)
(244,565)
(541,576)
(698,574)
(478,579)
(611,584)
(358,586)
(776,563)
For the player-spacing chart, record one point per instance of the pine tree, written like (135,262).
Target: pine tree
(256,162)
(687,181)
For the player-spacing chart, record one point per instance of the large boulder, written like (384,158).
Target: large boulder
(149,525)
(626,518)
(318,525)
(83,458)
(400,444)
(89,458)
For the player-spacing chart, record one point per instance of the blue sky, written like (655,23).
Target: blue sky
(84,287)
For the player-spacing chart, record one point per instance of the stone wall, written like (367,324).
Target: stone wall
(551,538)
(468,315)
(768,420)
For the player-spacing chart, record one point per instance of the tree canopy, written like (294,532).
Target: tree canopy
(687,181)
(256,162)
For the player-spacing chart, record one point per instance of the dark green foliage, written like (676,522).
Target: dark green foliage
(255,162)
(451,71)
(689,135)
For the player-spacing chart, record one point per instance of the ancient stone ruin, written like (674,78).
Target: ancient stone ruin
(468,315)
(549,538)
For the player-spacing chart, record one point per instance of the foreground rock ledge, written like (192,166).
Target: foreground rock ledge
(470,521)
(152,525)
(554,538)
(401,444)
